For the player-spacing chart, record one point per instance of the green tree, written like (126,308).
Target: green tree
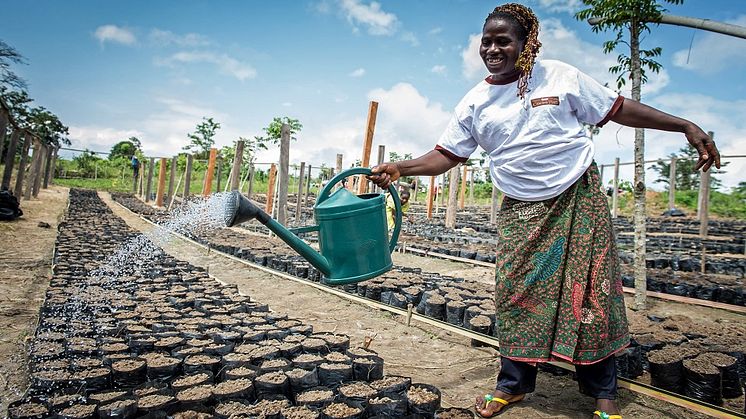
(47,126)
(86,162)
(687,179)
(8,57)
(273,132)
(203,138)
(125,149)
(621,17)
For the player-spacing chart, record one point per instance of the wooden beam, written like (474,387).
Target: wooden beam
(161,191)
(271,188)
(362,185)
(207,190)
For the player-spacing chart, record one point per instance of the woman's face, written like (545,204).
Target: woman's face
(501,45)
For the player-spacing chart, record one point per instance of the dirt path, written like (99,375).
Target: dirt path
(25,269)
(426,354)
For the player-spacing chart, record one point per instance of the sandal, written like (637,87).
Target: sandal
(489,398)
(603,415)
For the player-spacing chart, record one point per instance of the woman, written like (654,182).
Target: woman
(558,294)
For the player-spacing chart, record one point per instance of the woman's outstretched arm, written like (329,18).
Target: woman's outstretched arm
(431,164)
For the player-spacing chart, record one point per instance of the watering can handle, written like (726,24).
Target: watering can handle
(324,194)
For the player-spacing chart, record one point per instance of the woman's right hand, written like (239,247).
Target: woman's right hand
(383,174)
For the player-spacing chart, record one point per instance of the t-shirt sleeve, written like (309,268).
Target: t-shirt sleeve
(593,102)
(457,143)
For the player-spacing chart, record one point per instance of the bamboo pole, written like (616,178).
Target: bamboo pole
(188,175)
(362,186)
(149,187)
(271,188)
(171,179)
(672,185)
(237,162)
(22,166)
(430,198)
(282,199)
(10,159)
(452,197)
(161,183)
(207,189)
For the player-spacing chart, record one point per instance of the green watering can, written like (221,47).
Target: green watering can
(353,235)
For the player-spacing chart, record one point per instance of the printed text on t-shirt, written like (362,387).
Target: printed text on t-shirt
(549,100)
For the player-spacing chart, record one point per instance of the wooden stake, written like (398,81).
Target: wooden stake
(4,122)
(672,184)
(430,198)
(615,192)
(443,189)
(362,186)
(50,174)
(34,169)
(188,176)
(39,172)
(210,172)
(172,185)
(251,180)
(10,158)
(462,193)
(299,201)
(381,157)
(471,187)
(339,164)
(161,183)
(271,188)
(452,197)
(47,165)
(237,163)
(22,166)
(149,188)
(219,175)
(493,209)
(282,199)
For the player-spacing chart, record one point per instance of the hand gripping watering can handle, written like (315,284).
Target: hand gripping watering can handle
(324,194)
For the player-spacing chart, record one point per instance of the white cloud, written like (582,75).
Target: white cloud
(568,6)
(435,31)
(227,64)
(438,69)
(98,138)
(410,38)
(360,72)
(564,44)
(116,34)
(712,52)
(370,15)
(166,38)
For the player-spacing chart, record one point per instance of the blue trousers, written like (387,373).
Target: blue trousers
(596,380)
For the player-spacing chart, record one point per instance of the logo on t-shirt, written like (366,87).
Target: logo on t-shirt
(541,101)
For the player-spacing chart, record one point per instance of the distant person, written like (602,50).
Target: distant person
(391,208)
(135,166)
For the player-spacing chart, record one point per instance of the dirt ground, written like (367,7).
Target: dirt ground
(424,353)
(25,268)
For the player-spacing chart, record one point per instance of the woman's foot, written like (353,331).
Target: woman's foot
(607,406)
(488,406)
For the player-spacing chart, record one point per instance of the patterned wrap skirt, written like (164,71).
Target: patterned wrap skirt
(559,289)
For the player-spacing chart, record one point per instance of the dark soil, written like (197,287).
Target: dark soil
(79,411)
(28,410)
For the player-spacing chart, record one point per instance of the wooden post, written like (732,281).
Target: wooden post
(141,190)
(172,178)
(362,184)
(443,189)
(219,170)
(251,180)
(471,187)
(308,185)
(704,199)
(39,175)
(381,157)
(493,209)
(49,172)
(34,168)
(149,187)
(22,166)
(416,187)
(4,122)
(236,169)
(188,175)
(299,201)
(210,172)
(672,185)
(282,199)
(452,197)
(271,188)
(615,192)
(462,194)
(430,198)
(10,158)
(161,183)
(339,164)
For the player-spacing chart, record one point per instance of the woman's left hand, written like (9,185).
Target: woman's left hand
(708,152)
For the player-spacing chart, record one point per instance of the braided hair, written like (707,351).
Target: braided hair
(527,26)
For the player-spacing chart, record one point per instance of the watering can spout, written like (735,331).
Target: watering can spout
(240,209)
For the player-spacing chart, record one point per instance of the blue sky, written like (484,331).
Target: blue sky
(154,68)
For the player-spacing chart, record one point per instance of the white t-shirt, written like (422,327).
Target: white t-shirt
(537,146)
